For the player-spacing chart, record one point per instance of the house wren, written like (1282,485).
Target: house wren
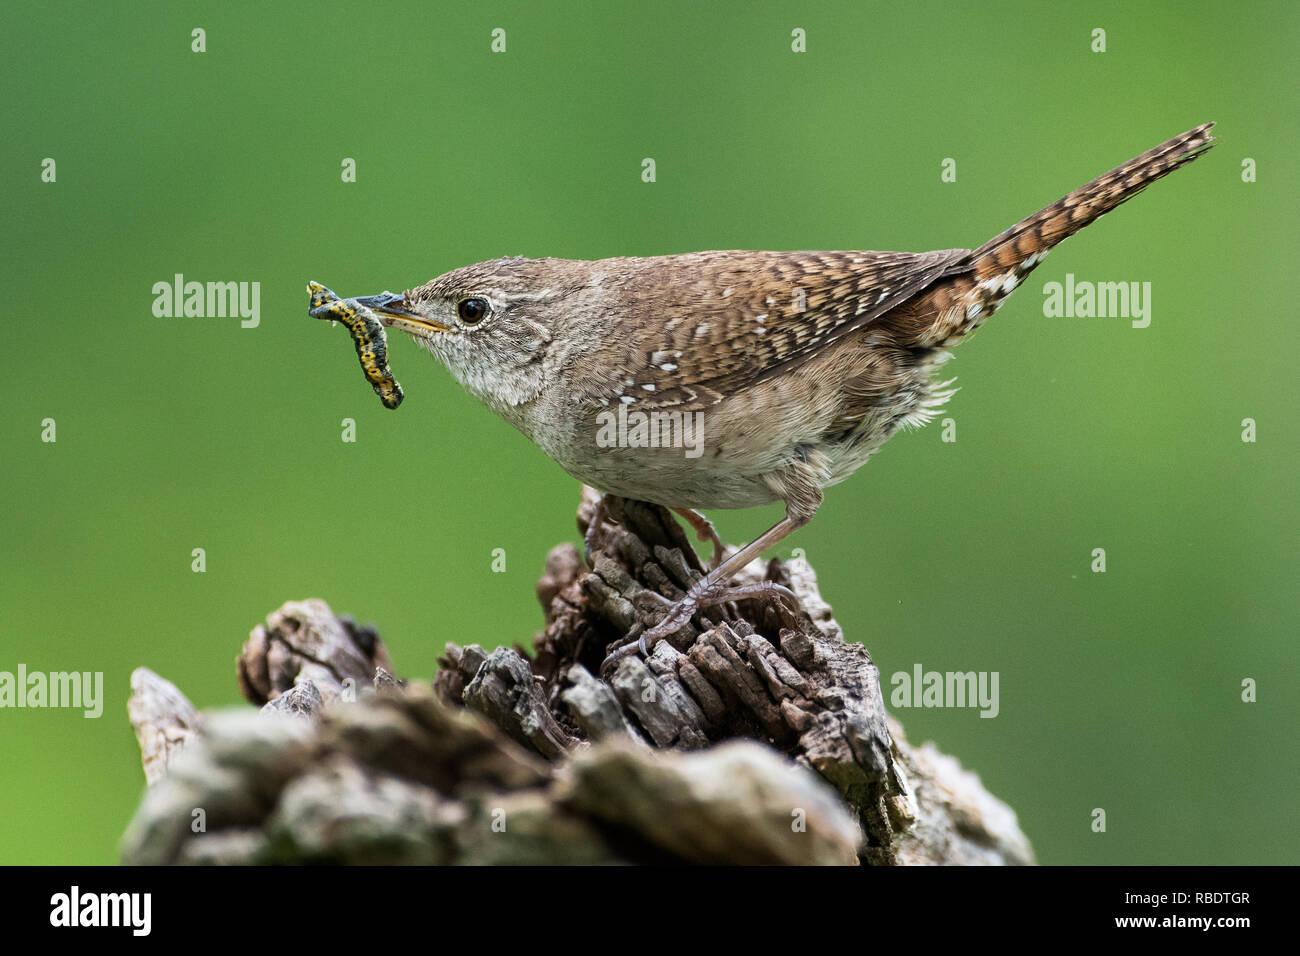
(732,379)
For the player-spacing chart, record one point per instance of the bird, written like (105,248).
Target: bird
(787,370)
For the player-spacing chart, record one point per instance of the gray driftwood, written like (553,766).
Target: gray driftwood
(759,735)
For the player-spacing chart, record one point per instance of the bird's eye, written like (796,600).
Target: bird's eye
(473,310)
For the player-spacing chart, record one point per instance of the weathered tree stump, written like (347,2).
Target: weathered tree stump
(755,735)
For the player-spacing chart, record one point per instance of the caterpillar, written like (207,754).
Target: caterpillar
(367,335)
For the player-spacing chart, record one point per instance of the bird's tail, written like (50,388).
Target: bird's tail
(978,283)
(1028,240)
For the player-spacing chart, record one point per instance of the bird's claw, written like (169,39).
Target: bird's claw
(701,595)
(631,644)
(643,639)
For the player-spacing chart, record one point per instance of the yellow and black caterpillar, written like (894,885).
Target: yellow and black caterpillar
(367,335)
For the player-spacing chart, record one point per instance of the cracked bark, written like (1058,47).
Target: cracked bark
(752,736)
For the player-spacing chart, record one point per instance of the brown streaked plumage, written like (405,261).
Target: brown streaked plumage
(797,365)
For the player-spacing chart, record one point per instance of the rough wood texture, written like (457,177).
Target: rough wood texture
(304,641)
(756,736)
(163,719)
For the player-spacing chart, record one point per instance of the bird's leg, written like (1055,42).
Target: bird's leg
(705,531)
(711,590)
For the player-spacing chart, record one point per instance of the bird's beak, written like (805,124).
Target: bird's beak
(393,313)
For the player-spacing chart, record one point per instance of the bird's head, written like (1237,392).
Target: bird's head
(489,323)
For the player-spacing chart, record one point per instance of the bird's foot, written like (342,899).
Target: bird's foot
(701,595)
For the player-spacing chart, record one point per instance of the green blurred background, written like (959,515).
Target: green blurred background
(1118,690)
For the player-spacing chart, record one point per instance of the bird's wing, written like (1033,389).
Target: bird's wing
(685,331)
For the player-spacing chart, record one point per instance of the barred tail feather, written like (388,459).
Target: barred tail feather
(1030,239)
